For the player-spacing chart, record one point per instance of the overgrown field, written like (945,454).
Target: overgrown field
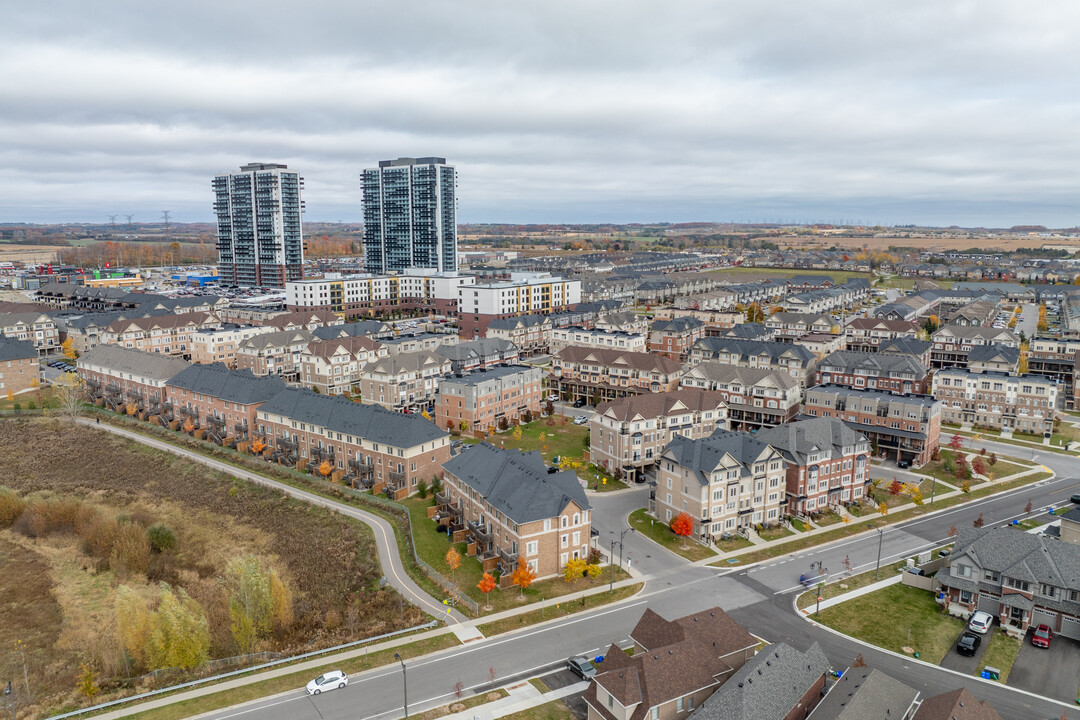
(119,559)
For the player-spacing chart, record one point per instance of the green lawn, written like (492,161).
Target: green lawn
(883,494)
(552,441)
(838,276)
(660,533)
(897,616)
(843,583)
(600,479)
(827,518)
(1001,654)
(735,542)
(432,547)
(799,525)
(467,702)
(775,533)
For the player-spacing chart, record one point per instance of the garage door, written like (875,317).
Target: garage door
(1042,617)
(989,603)
(1070,627)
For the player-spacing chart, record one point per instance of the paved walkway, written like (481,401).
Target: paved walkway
(521,697)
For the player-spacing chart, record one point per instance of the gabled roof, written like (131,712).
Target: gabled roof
(516,483)
(713,626)
(749,331)
(352,329)
(796,440)
(904,326)
(520,321)
(957,704)
(880,364)
(677,324)
(648,362)
(704,455)
(994,353)
(1020,555)
(217,381)
(768,687)
(863,693)
(410,362)
(654,405)
(722,373)
(371,422)
(905,345)
(136,362)
(747,348)
(16,349)
(278,338)
(476,349)
(350,344)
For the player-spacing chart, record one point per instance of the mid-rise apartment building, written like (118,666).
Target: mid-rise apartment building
(626,436)
(117,377)
(412,289)
(407,382)
(333,366)
(878,371)
(372,447)
(727,482)
(511,507)
(410,215)
(866,334)
(484,397)
(260,235)
(828,463)
(526,293)
(19,368)
(756,397)
(997,400)
(953,343)
(904,428)
(596,375)
(588,338)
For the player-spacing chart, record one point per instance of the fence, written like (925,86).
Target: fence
(363,497)
(234,673)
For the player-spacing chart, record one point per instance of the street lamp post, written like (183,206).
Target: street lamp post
(611,557)
(881,535)
(404,685)
(933,486)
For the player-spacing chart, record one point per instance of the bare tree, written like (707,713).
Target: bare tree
(69,389)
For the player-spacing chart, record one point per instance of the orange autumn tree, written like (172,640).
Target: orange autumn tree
(131,409)
(325,468)
(259,445)
(682,525)
(486,584)
(453,561)
(188,425)
(523,576)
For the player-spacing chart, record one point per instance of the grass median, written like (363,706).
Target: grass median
(293,681)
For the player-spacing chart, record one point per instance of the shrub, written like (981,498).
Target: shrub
(100,536)
(131,552)
(595,557)
(421,489)
(11,506)
(161,538)
(31,405)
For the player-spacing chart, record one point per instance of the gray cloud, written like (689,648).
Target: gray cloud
(562,111)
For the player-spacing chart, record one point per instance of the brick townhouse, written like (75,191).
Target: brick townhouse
(372,447)
(513,508)
(333,366)
(918,349)
(997,400)
(727,482)
(675,667)
(407,382)
(628,435)
(796,361)
(219,345)
(115,377)
(1023,580)
(214,398)
(483,352)
(953,343)
(994,358)
(593,338)
(894,372)
(530,333)
(905,428)
(484,397)
(673,338)
(39,329)
(19,367)
(163,334)
(828,463)
(756,397)
(866,334)
(276,353)
(596,375)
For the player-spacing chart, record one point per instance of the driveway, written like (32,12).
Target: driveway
(1052,671)
(962,663)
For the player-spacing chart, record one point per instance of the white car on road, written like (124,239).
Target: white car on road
(327,681)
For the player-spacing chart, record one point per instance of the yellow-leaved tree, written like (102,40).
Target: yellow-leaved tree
(132,624)
(574,569)
(250,603)
(179,633)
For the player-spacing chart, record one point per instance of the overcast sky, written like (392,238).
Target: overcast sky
(895,112)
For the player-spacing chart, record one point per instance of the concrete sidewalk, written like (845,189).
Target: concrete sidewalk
(521,697)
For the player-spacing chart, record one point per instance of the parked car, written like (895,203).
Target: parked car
(1075,499)
(552,397)
(580,402)
(980,622)
(968,643)
(1042,636)
(915,570)
(327,681)
(581,667)
(903,464)
(580,420)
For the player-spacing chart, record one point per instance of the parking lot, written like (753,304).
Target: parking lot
(1053,672)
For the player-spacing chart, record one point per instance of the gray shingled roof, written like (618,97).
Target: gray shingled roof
(278,338)
(749,331)
(704,454)
(994,353)
(1021,555)
(768,686)
(795,440)
(516,483)
(509,323)
(353,329)
(238,386)
(678,324)
(16,349)
(372,422)
(882,364)
(136,362)
(476,349)
(747,348)
(906,345)
(864,693)
(723,373)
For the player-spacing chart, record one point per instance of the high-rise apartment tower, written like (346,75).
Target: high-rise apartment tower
(410,215)
(260,238)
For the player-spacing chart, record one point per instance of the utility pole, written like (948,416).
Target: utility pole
(881,535)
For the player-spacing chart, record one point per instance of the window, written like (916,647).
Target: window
(565,540)
(1017,584)
(963,571)
(531,547)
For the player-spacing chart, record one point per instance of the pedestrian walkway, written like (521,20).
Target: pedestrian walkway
(810,610)
(467,633)
(521,697)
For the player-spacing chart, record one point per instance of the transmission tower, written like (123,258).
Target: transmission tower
(165,217)
(112,220)
(129,219)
